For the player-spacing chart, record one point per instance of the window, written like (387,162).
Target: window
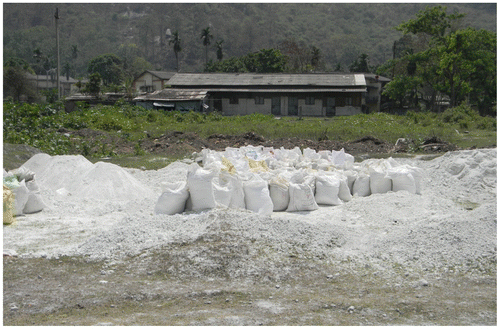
(146,89)
(310,100)
(348,101)
(233,100)
(259,100)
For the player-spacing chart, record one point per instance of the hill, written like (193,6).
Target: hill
(340,31)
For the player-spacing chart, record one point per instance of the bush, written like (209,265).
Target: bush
(468,118)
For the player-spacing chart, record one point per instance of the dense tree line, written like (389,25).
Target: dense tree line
(341,31)
(438,53)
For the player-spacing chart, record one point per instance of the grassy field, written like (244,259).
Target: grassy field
(43,126)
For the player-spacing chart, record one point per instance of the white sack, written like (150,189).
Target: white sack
(21,195)
(379,183)
(222,194)
(173,199)
(257,198)
(235,186)
(199,182)
(23,173)
(361,186)
(327,190)
(402,180)
(351,178)
(34,203)
(344,190)
(342,159)
(278,190)
(311,155)
(301,198)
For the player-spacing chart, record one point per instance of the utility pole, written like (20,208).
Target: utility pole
(57,42)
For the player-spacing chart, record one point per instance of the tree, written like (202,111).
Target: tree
(74,52)
(360,64)
(66,70)
(109,67)
(297,56)
(467,57)
(458,63)
(218,47)
(315,57)
(16,83)
(93,87)
(176,41)
(206,36)
(264,61)
(432,21)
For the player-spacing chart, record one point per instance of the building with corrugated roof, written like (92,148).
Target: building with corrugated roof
(310,94)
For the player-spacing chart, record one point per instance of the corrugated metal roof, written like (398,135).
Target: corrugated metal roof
(294,90)
(279,79)
(171,94)
(162,74)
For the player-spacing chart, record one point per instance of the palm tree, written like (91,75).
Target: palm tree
(206,36)
(74,52)
(218,46)
(66,70)
(176,41)
(315,56)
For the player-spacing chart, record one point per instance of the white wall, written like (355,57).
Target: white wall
(148,80)
(311,110)
(348,110)
(246,106)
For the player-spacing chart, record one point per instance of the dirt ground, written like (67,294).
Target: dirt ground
(168,288)
(179,144)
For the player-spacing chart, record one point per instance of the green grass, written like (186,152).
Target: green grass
(38,126)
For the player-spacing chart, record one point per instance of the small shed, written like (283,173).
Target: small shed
(171,99)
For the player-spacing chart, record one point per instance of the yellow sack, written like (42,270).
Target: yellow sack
(228,166)
(8,206)
(256,166)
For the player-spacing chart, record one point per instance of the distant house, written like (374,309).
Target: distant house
(150,81)
(48,82)
(171,99)
(320,94)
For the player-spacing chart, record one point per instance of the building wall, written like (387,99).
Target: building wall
(149,81)
(347,104)
(245,106)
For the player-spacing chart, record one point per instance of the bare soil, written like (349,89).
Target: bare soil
(178,144)
(168,288)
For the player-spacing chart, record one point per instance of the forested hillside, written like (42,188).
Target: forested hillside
(140,33)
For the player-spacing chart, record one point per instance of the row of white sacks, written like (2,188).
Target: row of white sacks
(264,179)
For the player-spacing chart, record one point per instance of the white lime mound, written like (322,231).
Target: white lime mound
(75,176)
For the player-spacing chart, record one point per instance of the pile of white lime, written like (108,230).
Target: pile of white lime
(416,211)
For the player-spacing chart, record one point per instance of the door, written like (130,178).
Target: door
(276,105)
(293,106)
(330,106)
